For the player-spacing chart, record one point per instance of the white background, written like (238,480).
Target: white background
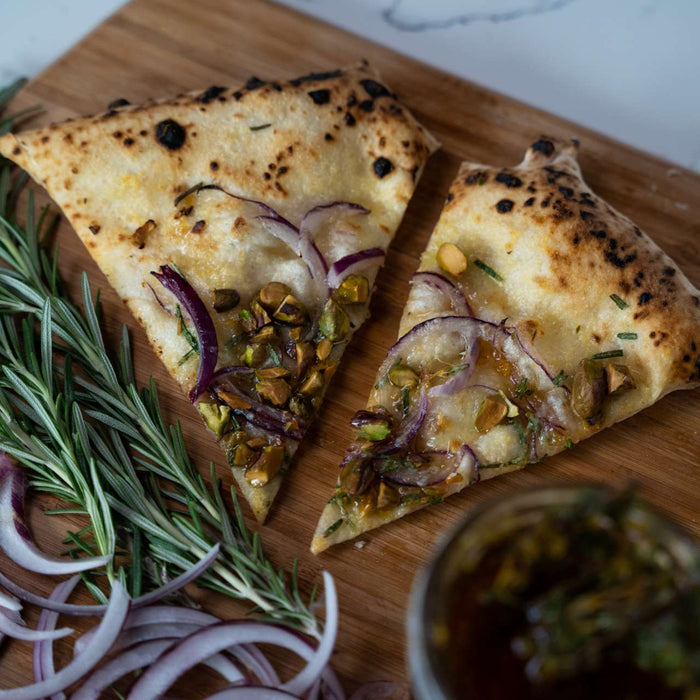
(627,68)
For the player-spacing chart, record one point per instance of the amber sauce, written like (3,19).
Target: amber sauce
(477,662)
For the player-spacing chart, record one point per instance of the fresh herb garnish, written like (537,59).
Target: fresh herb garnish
(522,436)
(522,389)
(405,401)
(568,444)
(488,270)
(189,336)
(259,127)
(607,354)
(560,378)
(332,528)
(619,301)
(454,369)
(627,336)
(533,423)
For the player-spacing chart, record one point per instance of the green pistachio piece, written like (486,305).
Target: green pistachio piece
(401,376)
(291,311)
(260,314)
(618,378)
(334,323)
(215,416)
(354,289)
(493,409)
(300,406)
(375,430)
(387,496)
(266,335)
(313,384)
(305,356)
(589,389)
(273,294)
(241,456)
(226,299)
(451,259)
(323,349)
(255,355)
(276,391)
(266,466)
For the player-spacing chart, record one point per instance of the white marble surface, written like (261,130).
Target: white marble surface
(627,68)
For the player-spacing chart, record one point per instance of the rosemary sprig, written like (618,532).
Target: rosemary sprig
(94,440)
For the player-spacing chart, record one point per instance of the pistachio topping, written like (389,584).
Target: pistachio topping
(451,259)
(354,289)
(401,376)
(387,496)
(375,430)
(618,378)
(255,355)
(323,349)
(260,314)
(215,416)
(494,408)
(266,335)
(241,456)
(272,373)
(225,299)
(291,311)
(305,356)
(273,294)
(589,389)
(276,391)
(233,400)
(334,323)
(266,466)
(313,384)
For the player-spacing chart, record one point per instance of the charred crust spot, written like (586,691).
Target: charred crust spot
(170,134)
(598,234)
(652,334)
(414,173)
(276,86)
(449,197)
(214,165)
(478,178)
(117,134)
(210,94)
(509,180)
(282,170)
(585,215)
(328,137)
(316,76)
(352,100)
(320,97)
(686,358)
(237,95)
(529,202)
(267,175)
(644,298)
(669,271)
(143,132)
(566,191)
(596,337)
(366,105)
(620,262)
(543,146)
(199,226)
(119,102)
(111,113)
(504,206)
(382,167)
(349,119)
(253,83)
(16,151)
(94,229)
(45,139)
(545,202)
(128,142)
(374,89)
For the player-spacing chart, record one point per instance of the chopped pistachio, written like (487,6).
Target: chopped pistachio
(354,289)
(266,467)
(276,391)
(296,333)
(255,355)
(493,409)
(256,443)
(260,314)
(291,311)
(235,438)
(242,455)
(334,323)
(140,235)
(246,321)
(400,375)
(305,356)
(272,295)
(589,389)
(215,416)
(618,378)
(233,400)
(272,373)
(299,406)
(513,410)
(267,334)
(451,259)
(323,349)
(313,384)
(387,496)
(226,299)
(375,430)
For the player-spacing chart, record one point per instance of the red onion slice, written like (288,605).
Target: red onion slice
(253,692)
(96,610)
(211,640)
(430,468)
(108,631)
(9,602)
(441,284)
(408,429)
(282,230)
(15,538)
(204,326)
(351,264)
(16,630)
(527,348)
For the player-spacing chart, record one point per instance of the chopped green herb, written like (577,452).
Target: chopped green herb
(488,270)
(260,127)
(627,336)
(244,313)
(332,528)
(412,497)
(187,193)
(177,269)
(522,389)
(454,369)
(434,499)
(607,354)
(533,423)
(619,301)
(522,437)
(186,332)
(186,357)
(405,400)
(560,378)
(568,444)
(274,356)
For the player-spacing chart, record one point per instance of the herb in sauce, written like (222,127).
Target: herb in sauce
(607,354)
(488,270)
(260,127)
(627,336)
(619,301)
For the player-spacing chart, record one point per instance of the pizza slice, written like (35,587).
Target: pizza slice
(539,315)
(244,229)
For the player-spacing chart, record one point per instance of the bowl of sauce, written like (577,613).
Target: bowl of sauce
(563,592)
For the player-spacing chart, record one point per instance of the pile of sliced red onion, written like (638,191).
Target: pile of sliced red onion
(137,634)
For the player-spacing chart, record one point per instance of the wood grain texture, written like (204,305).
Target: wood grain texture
(156,48)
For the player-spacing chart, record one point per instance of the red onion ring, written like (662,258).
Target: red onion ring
(422,476)
(15,538)
(204,326)
(440,283)
(9,602)
(15,630)
(408,429)
(353,263)
(254,692)
(108,631)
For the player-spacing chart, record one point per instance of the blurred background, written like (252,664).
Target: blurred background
(627,68)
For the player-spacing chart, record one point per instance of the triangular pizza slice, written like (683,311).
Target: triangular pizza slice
(244,229)
(539,315)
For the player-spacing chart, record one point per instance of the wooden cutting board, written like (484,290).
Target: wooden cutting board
(156,48)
